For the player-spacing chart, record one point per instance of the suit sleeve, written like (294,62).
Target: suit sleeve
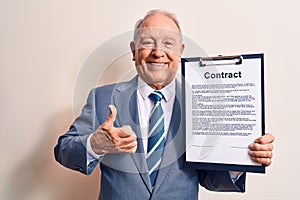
(70,150)
(221,181)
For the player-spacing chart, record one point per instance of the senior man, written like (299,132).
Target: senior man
(141,148)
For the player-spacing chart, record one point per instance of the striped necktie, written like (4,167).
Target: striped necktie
(156,139)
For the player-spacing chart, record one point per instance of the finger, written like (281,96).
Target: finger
(102,143)
(120,136)
(265,139)
(118,141)
(111,148)
(132,150)
(109,122)
(126,131)
(261,154)
(129,148)
(263,161)
(261,147)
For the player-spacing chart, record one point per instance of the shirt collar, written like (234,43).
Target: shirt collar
(145,90)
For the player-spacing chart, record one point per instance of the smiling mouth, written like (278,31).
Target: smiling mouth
(157,65)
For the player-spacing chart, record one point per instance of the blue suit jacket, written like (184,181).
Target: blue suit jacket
(125,176)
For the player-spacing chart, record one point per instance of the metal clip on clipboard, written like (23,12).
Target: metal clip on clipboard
(220,60)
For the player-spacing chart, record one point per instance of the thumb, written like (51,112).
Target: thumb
(265,139)
(109,122)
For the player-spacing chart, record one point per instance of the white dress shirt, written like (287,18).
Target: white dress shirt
(145,106)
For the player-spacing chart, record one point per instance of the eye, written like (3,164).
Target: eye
(169,43)
(148,43)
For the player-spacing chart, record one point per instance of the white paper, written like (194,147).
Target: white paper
(223,111)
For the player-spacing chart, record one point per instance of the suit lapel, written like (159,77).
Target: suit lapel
(125,100)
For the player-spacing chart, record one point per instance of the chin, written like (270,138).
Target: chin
(159,82)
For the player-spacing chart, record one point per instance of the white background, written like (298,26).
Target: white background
(44,44)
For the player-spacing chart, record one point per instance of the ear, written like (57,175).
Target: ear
(181,48)
(132,47)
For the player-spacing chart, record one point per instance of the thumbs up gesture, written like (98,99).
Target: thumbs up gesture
(109,139)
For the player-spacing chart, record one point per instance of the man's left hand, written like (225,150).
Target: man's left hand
(261,149)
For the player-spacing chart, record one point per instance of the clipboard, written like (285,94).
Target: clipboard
(223,102)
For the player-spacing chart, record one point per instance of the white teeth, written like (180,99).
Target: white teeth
(157,64)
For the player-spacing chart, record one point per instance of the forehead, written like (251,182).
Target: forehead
(156,33)
(160,21)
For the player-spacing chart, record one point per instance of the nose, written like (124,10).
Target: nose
(158,52)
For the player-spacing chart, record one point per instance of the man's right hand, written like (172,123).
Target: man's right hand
(109,139)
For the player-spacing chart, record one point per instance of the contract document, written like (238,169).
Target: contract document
(224,110)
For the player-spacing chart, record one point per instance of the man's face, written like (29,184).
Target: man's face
(157,50)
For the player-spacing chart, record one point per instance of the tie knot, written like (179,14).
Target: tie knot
(156,96)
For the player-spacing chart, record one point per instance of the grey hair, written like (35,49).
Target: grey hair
(168,14)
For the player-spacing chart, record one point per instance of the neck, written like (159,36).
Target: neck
(157,86)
